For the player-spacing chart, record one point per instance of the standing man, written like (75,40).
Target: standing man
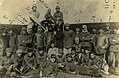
(114,49)
(5,40)
(34,15)
(13,40)
(40,38)
(85,38)
(68,39)
(101,44)
(22,39)
(58,18)
(48,15)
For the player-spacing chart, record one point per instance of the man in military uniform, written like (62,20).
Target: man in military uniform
(77,33)
(30,63)
(51,68)
(68,39)
(59,38)
(5,40)
(58,18)
(13,40)
(7,62)
(34,13)
(41,56)
(40,38)
(52,50)
(77,44)
(101,44)
(48,15)
(22,38)
(30,35)
(114,49)
(85,38)
(69,65)
(18,66)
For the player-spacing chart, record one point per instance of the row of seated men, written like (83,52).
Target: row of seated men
(38,63)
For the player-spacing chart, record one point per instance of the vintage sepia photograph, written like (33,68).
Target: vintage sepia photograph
(59,38)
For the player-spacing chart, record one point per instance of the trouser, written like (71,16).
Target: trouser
(114,59)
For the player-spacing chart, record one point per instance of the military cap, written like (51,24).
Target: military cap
(57,7)
(9,50)
(40,48)
(19,51)
(34,5)
(30,50)
(67,25)
(84,26)
(53,55)
(23,29)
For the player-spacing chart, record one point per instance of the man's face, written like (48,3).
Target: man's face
(49,10)
(30,53)
(40,52)
(11,31)
(69,59)
(60,51)
(9,54)
(77,29)
(40,30)
(79,55)
(77,40)
(19,54)
(92,55)
(107,28)
(24,32)
(101,31)
(72,51)
(67,27)
(52,45)
(34,8)
(52,60)
(57,9)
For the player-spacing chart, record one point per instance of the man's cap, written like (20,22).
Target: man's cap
(8,50)
(23,29)
(67,25)
(40,48)
(30,50)
(57,7)
(19,51)
(53,55)
(84,26)
(34,5)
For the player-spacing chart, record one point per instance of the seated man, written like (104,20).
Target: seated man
(60,59)
(69,65)
(6,62)
(30,63)
(51,67)
(18,66)
(41,59)
(52,50)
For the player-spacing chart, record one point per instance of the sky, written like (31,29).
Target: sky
(74,11)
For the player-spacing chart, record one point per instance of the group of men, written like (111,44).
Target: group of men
(44,49)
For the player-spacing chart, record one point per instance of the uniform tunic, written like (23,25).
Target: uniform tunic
(68,38)
(30,63)
(102,41)
(85,40)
